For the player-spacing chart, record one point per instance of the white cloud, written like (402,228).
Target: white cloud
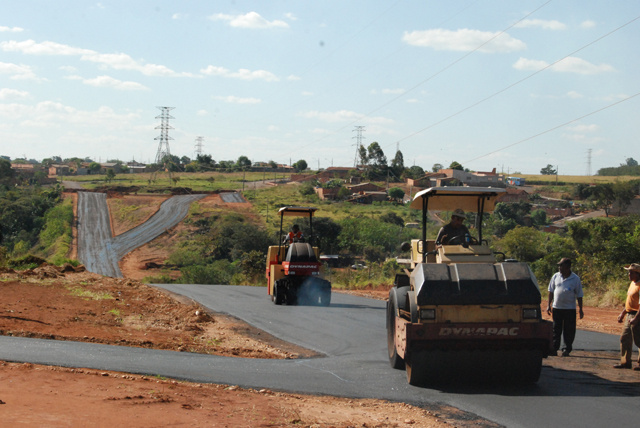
(584,139)
(587,24)
(49,113)
(574,94)
(529,64)
(17,71)
(68,68)
(74,77)
(242,74)
(118,61)
(584,128)
(10,29)
(9,94)
(251,20)
(343,116)
(237,100)
(202,113)
(291,16)
(293,77)
(110,82)
(307,94)
(615,97)
(541,23)
(122,61)
(180,16)
(393,91)
(99,6)
(568,65)
(273,128)
(320,131)
(373,92)
(464,40)
(31,47)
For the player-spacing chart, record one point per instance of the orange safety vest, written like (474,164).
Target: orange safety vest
(293,236)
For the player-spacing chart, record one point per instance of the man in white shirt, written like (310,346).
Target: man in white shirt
(564,289)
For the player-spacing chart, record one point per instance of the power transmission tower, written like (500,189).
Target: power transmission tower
(589,162)
(358,138)
(164,127)
(199,145)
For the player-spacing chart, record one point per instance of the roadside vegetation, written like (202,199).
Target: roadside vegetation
(35,222)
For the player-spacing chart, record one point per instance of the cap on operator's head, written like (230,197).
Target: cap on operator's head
(633,267)
(565,261)
(458,213)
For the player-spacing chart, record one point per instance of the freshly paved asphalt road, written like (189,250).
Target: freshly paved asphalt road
(99,251)
(351,333)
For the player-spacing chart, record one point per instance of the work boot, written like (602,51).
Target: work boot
(622,366)
(565,353)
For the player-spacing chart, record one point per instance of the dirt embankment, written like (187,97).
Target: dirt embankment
(62,304)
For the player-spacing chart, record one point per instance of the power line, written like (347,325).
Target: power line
(551,129)
(427,79)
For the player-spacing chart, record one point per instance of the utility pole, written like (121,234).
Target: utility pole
(164,127)
(589,162)
(358,138)
(556,175)
(199,145)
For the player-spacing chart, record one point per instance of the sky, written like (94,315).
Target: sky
(487,83)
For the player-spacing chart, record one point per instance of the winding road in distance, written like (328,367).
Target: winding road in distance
(100,251)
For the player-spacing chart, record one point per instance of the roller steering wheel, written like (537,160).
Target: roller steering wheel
(458,240)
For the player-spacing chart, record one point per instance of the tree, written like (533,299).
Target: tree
(539,217)
(243,162)
(110,175)
(185,160)
(301,165)
(376,156)
(631,162)
(548,170)
(436,167)
(397,164)
(362,154)
(343,193)
(456,165)
(604,196)
(396,193)
(415,172)
(6,172)
(95,167)
(392,218)
(273,164)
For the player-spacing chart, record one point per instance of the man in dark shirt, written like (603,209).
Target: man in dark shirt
(455,232)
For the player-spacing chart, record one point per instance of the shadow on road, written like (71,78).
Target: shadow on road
(554,382)
(352,306)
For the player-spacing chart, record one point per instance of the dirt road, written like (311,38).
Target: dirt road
(99,251)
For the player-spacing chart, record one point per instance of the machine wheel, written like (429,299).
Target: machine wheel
(325,296)
(278,295)
(396,361)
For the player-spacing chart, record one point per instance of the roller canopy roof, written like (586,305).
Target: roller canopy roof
(450,198)
(296,211)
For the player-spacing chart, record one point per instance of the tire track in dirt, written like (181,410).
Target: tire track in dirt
(99,251)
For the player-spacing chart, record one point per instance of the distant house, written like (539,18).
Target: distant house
(110,165)
(364,187)
(514,195)
(323,193)
(59,170)
(368,197)
(633,208)
(426,181)
(479,179)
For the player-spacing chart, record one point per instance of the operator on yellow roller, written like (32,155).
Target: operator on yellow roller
(294,236)
(454,233)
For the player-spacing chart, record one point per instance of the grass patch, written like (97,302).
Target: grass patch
(87,294)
